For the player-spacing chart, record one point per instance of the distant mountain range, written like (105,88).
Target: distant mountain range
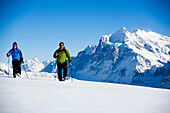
(137,58)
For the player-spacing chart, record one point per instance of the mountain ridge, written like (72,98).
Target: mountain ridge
(122,56)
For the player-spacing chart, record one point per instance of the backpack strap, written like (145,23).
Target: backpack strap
(58,50)
(19,51)
(66,53)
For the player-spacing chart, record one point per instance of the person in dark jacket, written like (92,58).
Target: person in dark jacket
(17,59)
(61,54)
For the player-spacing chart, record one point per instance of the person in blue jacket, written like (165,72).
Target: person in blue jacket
(17,59)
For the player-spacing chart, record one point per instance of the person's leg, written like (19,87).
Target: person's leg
(65,70)
(14,68)
(59,72)
(19,67)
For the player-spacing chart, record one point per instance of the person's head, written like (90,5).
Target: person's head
(14,45)
(61,45)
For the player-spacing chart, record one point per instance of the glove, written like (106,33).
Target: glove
(21,60)
(8,54)
(55,55)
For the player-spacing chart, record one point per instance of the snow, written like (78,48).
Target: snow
(90,49)
(46,62)
(37,95)
(148,42)
(34,65)
(119,36)
(122,57)
(128,58)
(41,94)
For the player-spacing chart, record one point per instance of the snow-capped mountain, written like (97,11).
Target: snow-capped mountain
(50,67)
(140,58)
(46,62)
(4,68)
(34,65)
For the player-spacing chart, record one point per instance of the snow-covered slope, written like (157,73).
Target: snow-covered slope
(49,96)
(132,58)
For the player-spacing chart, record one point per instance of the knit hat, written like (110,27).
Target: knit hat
(14,44)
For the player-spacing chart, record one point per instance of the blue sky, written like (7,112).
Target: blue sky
(39,25)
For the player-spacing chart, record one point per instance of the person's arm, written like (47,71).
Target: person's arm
(9,53)
(21,58)
(68,56)
(55,54)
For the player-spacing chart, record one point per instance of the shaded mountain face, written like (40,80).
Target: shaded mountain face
(50,67)
(136,58)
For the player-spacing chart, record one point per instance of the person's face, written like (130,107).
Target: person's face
(61,46)
(15,46)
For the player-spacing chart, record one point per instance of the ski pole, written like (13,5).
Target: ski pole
(71,73)
(8,66)
(25,71)
(55,69)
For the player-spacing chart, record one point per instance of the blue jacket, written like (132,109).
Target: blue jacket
(16,54)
